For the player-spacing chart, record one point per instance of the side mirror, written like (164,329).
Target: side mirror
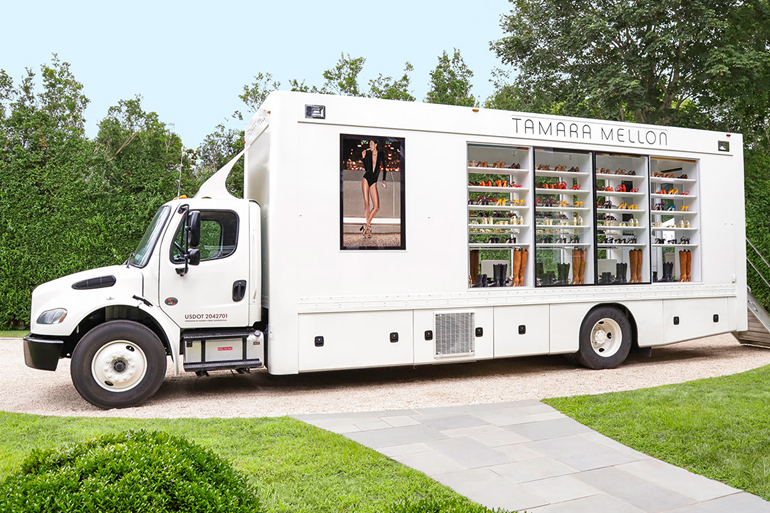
(194,256)
(194,229)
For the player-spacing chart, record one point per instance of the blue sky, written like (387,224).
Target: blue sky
(190,60)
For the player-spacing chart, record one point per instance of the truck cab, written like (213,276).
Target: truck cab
(189,291)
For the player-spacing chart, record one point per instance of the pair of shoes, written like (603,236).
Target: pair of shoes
(515,166)
(574,169)
(519,267)
(498,165)
(366,231)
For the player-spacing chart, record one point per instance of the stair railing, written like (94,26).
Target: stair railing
(754,266)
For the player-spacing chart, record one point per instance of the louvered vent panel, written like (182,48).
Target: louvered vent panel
(454,334)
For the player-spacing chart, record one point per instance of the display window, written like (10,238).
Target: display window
(563,218)
(585,218)
(499,215)
(622,227)
(675,224)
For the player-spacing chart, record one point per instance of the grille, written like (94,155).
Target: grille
(454,334)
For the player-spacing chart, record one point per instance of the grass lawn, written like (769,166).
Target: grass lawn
(718,427)
(294,466)
(13,334)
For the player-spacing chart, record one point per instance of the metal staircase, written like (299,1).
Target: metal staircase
(759,319)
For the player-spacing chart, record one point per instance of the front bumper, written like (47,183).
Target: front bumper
(41,353)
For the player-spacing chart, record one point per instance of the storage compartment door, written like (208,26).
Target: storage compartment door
(354,340)
(685,319)
(521,330)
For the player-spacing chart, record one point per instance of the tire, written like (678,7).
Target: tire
(605,339)
(118,364)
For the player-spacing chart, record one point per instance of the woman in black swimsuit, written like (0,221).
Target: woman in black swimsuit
(374,160)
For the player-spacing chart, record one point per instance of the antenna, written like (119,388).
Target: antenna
(179,182)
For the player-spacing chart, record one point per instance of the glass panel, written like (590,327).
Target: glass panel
(622,231)
(563,218)
(675,220)
(499,215)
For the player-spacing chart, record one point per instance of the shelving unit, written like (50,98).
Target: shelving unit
(563,263)
(666,259)
(518,201)
(618,262)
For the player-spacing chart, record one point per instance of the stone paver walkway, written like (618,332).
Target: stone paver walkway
(527,456)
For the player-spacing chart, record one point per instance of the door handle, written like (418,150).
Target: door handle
(239,290)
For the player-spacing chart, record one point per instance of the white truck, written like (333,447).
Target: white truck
(381,233)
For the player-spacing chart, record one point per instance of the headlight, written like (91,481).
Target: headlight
(54,316)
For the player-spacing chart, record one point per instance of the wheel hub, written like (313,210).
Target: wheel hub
(606,337)
(119,366)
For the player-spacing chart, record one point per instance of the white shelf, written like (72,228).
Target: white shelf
(568,245)
(620,210)
(673,196)
(495,227)
(620,178)
(657,179)
(559,174)
(672,229)
(496,170)
(499,245)
(562,209)
(674,245)
(606,245)
(564,226)
(569,192)
(505,190)
(497,207)
(624,194)
(618,228)
(672,213)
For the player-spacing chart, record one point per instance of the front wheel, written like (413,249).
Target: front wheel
(118,364)
(605,339)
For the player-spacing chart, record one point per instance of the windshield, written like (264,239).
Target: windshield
(151,235)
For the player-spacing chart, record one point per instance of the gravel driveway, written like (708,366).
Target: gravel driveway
(225,394)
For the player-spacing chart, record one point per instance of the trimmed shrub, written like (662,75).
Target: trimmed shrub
(130,471)
(442,505)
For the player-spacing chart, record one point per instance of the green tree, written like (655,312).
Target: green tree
(389,89)
(342,79)
(450,82)
(653,61)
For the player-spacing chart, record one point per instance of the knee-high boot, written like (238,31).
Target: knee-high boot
(516,267)
(523,267)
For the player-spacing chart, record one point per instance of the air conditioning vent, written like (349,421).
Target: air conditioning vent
(454,334)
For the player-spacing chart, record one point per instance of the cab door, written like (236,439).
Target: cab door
(214,293)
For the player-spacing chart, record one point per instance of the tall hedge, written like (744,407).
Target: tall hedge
(69,203)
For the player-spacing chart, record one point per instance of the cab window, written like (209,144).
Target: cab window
(219,236)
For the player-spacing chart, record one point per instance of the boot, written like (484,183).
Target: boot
(540,272)
(474,265)
(575,266)
(618,273)
(688,264)
(582,266)
(632,258)
(503,272)
(668,271)
(523,268)
(639,259)
(481,281)
(516,267)
(682,266)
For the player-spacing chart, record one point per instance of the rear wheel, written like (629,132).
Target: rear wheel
(118,364)
(605,339)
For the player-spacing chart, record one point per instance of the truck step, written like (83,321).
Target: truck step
(232,364)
